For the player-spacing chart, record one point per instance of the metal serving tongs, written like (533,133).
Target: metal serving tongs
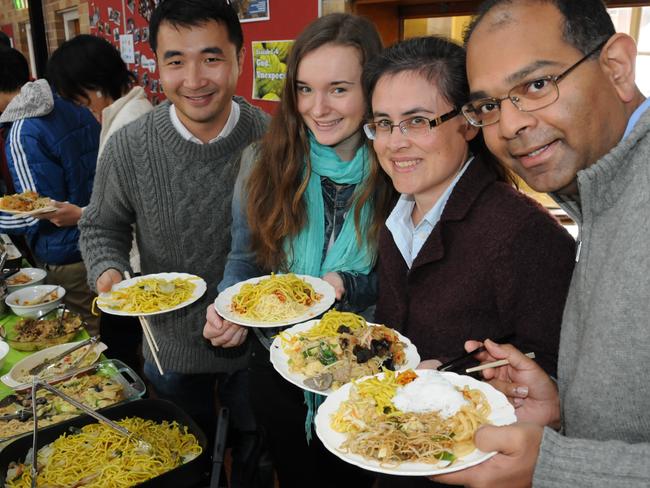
(38,383)
(39,368)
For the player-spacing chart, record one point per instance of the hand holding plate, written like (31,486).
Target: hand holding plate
(220,332)
(517,446)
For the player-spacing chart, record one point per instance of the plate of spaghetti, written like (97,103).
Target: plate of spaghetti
(322,355)
(413,423)
(275,300)
(26,203)
(152,294)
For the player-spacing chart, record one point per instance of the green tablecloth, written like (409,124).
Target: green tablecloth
(8,321)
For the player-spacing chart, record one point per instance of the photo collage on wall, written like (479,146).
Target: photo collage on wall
(128,31)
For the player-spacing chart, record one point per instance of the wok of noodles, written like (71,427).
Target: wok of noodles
(96,456)
(274,299)
(377,429)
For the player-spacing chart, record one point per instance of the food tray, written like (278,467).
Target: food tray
(8,333)
(189,474)
(132,386)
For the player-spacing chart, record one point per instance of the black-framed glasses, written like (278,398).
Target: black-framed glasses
(527,96)
(413,126)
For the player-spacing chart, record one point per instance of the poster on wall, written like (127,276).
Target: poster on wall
(126,26)
(269,68)
(252,10)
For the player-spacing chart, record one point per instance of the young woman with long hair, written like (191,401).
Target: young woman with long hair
(309,201)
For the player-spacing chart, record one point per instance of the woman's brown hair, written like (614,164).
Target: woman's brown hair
(276,209)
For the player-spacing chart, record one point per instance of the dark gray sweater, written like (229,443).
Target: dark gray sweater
(178,194)
(605,339)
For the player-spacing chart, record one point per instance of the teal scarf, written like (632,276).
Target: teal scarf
(305,251)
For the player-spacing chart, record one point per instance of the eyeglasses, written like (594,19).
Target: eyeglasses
(415,126)
(527,96)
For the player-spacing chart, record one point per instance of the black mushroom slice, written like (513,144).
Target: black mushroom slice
(362,354)
(381,347)
(343,329)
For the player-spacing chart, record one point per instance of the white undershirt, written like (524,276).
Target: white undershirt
(233,118)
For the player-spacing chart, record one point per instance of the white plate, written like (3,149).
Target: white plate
(198,293)
(502,414)
(224,299)
(280,360)
(36,277)
(22,367)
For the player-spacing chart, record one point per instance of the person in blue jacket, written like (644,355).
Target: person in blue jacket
(51,148)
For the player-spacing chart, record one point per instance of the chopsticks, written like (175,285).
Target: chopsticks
(449,364)
(148,335)
(495,364)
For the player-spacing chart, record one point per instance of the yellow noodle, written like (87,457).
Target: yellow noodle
(99,457)
(149,295)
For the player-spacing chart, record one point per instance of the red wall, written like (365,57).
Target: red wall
(287,19)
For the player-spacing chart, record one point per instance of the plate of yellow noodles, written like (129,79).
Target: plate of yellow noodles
(275,300)
(322,355)
(152,294)
(411,423)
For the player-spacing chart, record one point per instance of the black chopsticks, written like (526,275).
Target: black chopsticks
(449,364)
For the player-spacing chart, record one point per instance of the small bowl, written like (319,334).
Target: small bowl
(36,277)
(4,350)
(30,293)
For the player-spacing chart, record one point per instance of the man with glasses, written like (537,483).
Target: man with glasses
(552,86)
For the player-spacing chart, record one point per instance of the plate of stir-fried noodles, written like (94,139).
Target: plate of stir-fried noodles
(26,203)
(411,423)
(275,300)
(152,294)
(321,355)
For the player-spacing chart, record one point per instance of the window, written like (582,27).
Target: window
(635,21)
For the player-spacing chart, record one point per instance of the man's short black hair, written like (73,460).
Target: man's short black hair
(191,13)
(14,69)
(4,40)
(88,62)
(586,22)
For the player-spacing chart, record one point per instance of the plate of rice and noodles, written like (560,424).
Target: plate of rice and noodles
(275,300)
(412,423)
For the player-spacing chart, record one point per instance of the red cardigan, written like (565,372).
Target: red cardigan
(496,263)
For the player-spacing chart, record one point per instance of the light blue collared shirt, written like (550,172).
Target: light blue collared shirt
(636,116)
(409,239)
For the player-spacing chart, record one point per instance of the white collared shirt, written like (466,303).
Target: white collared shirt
(409,239)
(233,118)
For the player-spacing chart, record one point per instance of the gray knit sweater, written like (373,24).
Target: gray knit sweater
(178,193)
(605,342)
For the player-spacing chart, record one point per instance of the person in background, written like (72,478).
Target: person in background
(172,173)
(4,40)
(51,148)
(308,201)
(89,71)
(463,254)
(552,86)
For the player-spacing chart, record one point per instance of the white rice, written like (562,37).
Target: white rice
(429,392)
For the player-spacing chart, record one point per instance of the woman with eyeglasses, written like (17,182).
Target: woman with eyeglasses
(308,200)
(463,254)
